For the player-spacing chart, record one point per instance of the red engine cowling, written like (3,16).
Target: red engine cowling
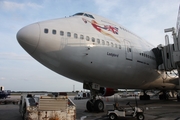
(107,91)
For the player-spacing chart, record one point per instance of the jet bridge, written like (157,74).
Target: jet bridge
(168,56)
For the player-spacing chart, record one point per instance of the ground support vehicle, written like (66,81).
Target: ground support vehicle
(125,112)
(45,107)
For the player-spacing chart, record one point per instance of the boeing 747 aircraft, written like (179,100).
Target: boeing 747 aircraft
(98,52)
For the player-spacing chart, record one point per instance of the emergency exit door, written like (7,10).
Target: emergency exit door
(128,50)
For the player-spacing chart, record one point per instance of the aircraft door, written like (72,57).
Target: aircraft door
(128,50)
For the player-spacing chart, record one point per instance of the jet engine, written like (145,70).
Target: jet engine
(107,91)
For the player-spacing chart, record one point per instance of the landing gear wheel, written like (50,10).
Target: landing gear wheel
(89,105)
(140,116)
(112,116)
(163,97)
(144,97)
(178,98)
(99,105)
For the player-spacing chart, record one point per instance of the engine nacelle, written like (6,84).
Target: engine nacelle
(107,91)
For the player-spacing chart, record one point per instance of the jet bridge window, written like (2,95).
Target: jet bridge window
(75,35)
(68,34)
(54,32)
(45,30)
(62,33)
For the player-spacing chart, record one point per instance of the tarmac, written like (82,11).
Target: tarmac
(154,109)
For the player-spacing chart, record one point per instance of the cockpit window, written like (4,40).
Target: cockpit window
(91,16)
(85,14)
(78,14)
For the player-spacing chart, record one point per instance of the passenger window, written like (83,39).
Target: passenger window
(112,44)
(45,30)
(81,37)
(93,39)
(68,34)
(107,43)
(53,31)
(103,42)
(75,35)
(87,38)
(62,33)
(98,41)
(115,45)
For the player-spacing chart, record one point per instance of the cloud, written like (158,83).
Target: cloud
(14,56)
(106,6)
(7,5)
(2,78)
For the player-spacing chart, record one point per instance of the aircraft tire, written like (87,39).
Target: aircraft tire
(144,97)
(99,105)
(178,98)
(163,97)
(89,105)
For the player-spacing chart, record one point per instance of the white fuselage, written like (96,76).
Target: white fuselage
(93,50)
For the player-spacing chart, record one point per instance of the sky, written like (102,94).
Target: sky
(20,72)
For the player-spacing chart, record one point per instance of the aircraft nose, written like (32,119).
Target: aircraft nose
(28,37)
